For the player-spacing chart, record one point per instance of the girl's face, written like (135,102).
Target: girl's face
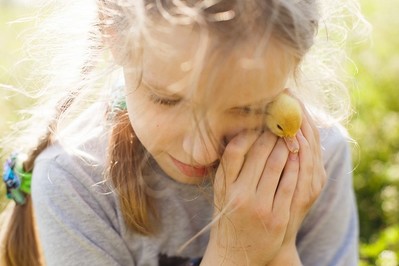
(184,120)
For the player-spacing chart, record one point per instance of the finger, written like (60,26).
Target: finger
(308,127)
(292,144)
(311,177)
(306,168)
(313,166)
(255,161)
(234,156)
(271,174)
(312,136)
(286,187)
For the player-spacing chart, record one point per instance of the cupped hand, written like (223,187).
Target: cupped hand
(253,189)
(311,180)
(262,194)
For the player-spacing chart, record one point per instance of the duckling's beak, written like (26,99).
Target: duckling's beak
(292,144)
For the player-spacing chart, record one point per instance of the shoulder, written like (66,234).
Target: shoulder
(338,190)
(76,212)
(80,151)
(337,157)
(329,232)
(337,193)
(335,144)
(86,165)
(63,174)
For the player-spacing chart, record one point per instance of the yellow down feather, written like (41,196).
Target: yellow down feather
(284,119)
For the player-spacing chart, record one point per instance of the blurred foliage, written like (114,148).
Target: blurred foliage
(375,125)
(13,69)
(376,129)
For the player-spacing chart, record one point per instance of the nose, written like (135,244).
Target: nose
(202,144)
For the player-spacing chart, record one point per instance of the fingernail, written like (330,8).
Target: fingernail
(293,156)
(292,144)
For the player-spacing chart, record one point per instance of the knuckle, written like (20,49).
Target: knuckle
(262,212)
(306,199)
(272,169)
(305,203)
(279,223)
(259,149)
(239,201)
(234,151)
(287,189)
(274,165)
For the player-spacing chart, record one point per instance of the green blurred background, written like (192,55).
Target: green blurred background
(375,125)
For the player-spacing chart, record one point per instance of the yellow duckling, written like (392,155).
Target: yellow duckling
(284,118)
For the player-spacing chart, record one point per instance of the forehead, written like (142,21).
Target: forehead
(183,61)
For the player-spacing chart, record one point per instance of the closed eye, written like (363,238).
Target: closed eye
(245,110)
(155,97)
(163,101)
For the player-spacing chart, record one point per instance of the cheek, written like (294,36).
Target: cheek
(147,129)
(160,123)
(155,127)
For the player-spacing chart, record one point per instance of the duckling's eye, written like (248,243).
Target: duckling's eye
(279,127)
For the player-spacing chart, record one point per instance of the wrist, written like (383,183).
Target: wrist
(217,255)
(288,255)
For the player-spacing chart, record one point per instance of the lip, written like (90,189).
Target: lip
(189,170)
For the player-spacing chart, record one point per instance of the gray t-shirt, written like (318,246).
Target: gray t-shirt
(80,222)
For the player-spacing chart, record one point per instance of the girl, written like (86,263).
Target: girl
(162,157)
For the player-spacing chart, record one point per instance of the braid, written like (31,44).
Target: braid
(44,143)
(47,139)
(22,247)
(21,241)
(21,233)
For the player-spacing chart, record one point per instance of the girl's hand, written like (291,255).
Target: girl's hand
(253,189)
(311,180)
(262,194)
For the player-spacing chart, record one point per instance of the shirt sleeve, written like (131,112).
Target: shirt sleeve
(329,233)
(76,224)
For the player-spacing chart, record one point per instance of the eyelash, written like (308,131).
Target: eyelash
(163,101)
(246,110)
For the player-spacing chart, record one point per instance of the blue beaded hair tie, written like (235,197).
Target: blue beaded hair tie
(18,182)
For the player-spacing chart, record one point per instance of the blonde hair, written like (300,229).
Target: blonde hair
(79,72)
